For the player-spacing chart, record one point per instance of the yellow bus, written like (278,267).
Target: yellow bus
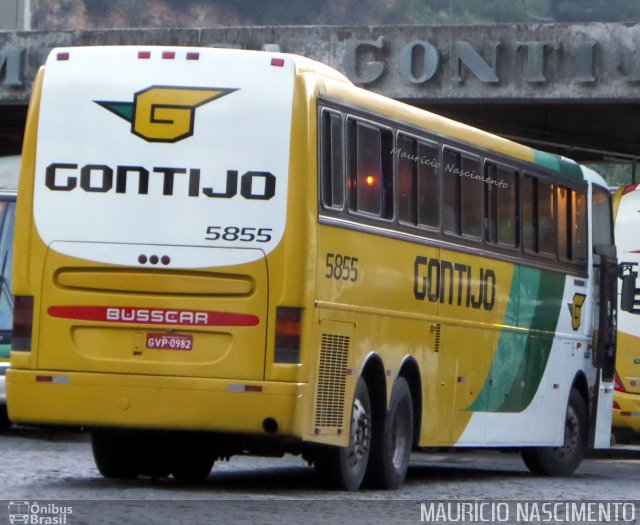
(229,252)
(626,404)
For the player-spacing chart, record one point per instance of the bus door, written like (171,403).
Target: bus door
(605,272)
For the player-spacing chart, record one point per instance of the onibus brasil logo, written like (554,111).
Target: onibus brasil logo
(38,513)
(164,113)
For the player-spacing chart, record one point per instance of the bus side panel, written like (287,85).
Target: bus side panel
(537,366)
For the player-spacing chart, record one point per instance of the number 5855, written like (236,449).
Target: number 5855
(341,267)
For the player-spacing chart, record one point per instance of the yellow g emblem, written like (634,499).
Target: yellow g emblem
(576,310)
(164,113)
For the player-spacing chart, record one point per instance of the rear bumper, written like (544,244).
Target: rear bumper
(152,402)
(628,415)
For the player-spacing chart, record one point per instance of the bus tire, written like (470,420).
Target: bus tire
(345,467)
(392,445)
(115,456)
(192,461)
(5,422)
(564,460)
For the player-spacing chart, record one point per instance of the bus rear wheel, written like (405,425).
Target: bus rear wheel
(564,460)
(5,422)
(345,467)
(192,460)
(116,455)
(392,445)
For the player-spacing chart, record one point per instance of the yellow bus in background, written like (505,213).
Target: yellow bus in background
(626,405)
(228,252)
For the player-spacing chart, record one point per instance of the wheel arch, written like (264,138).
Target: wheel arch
(410,371)
(374,375)
(581,384)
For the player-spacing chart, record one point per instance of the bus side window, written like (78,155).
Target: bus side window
(529,215)
(463,208)
(602,224)
(370,164)
(451,191)
(406,173)
(502,205)
(564,223)
(546,222)
(471,209)
(572,225)
(7,214)
(332,177)
(538,216)
(579,227)
(428,165)
(418,174)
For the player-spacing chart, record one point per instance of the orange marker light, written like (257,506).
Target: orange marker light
(370,180)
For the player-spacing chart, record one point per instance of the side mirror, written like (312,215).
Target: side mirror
(628,293)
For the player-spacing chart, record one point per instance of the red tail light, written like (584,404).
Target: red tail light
(619,387)
(629,188)
(22,323)
(288,331)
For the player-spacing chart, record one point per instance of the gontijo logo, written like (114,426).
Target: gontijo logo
(164,113)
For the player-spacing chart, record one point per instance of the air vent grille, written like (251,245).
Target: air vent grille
(332,378)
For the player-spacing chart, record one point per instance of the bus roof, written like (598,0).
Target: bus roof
(9,173)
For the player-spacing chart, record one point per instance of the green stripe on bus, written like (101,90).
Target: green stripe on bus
(510,351)
(5,350)
(539,343)
(521,357)
(569,169)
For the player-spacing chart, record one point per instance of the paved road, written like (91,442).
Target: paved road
(56,470)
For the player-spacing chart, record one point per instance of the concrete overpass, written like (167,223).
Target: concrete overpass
(570,88)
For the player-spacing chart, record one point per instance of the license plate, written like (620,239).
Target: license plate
(169,342)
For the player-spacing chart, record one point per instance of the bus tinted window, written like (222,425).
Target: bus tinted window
(451,191)
(538,217)
(417,169)
(370,169)
(602,227)
(546,223)
(428,185)
(502,204)
(462,197)
(579,230)
(7,216)
(572,225)
(406,173)
(529,215)
(471,196)
(331,160)
(564,223)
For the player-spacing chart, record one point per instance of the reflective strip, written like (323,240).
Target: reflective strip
(244,388)
(53,379)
